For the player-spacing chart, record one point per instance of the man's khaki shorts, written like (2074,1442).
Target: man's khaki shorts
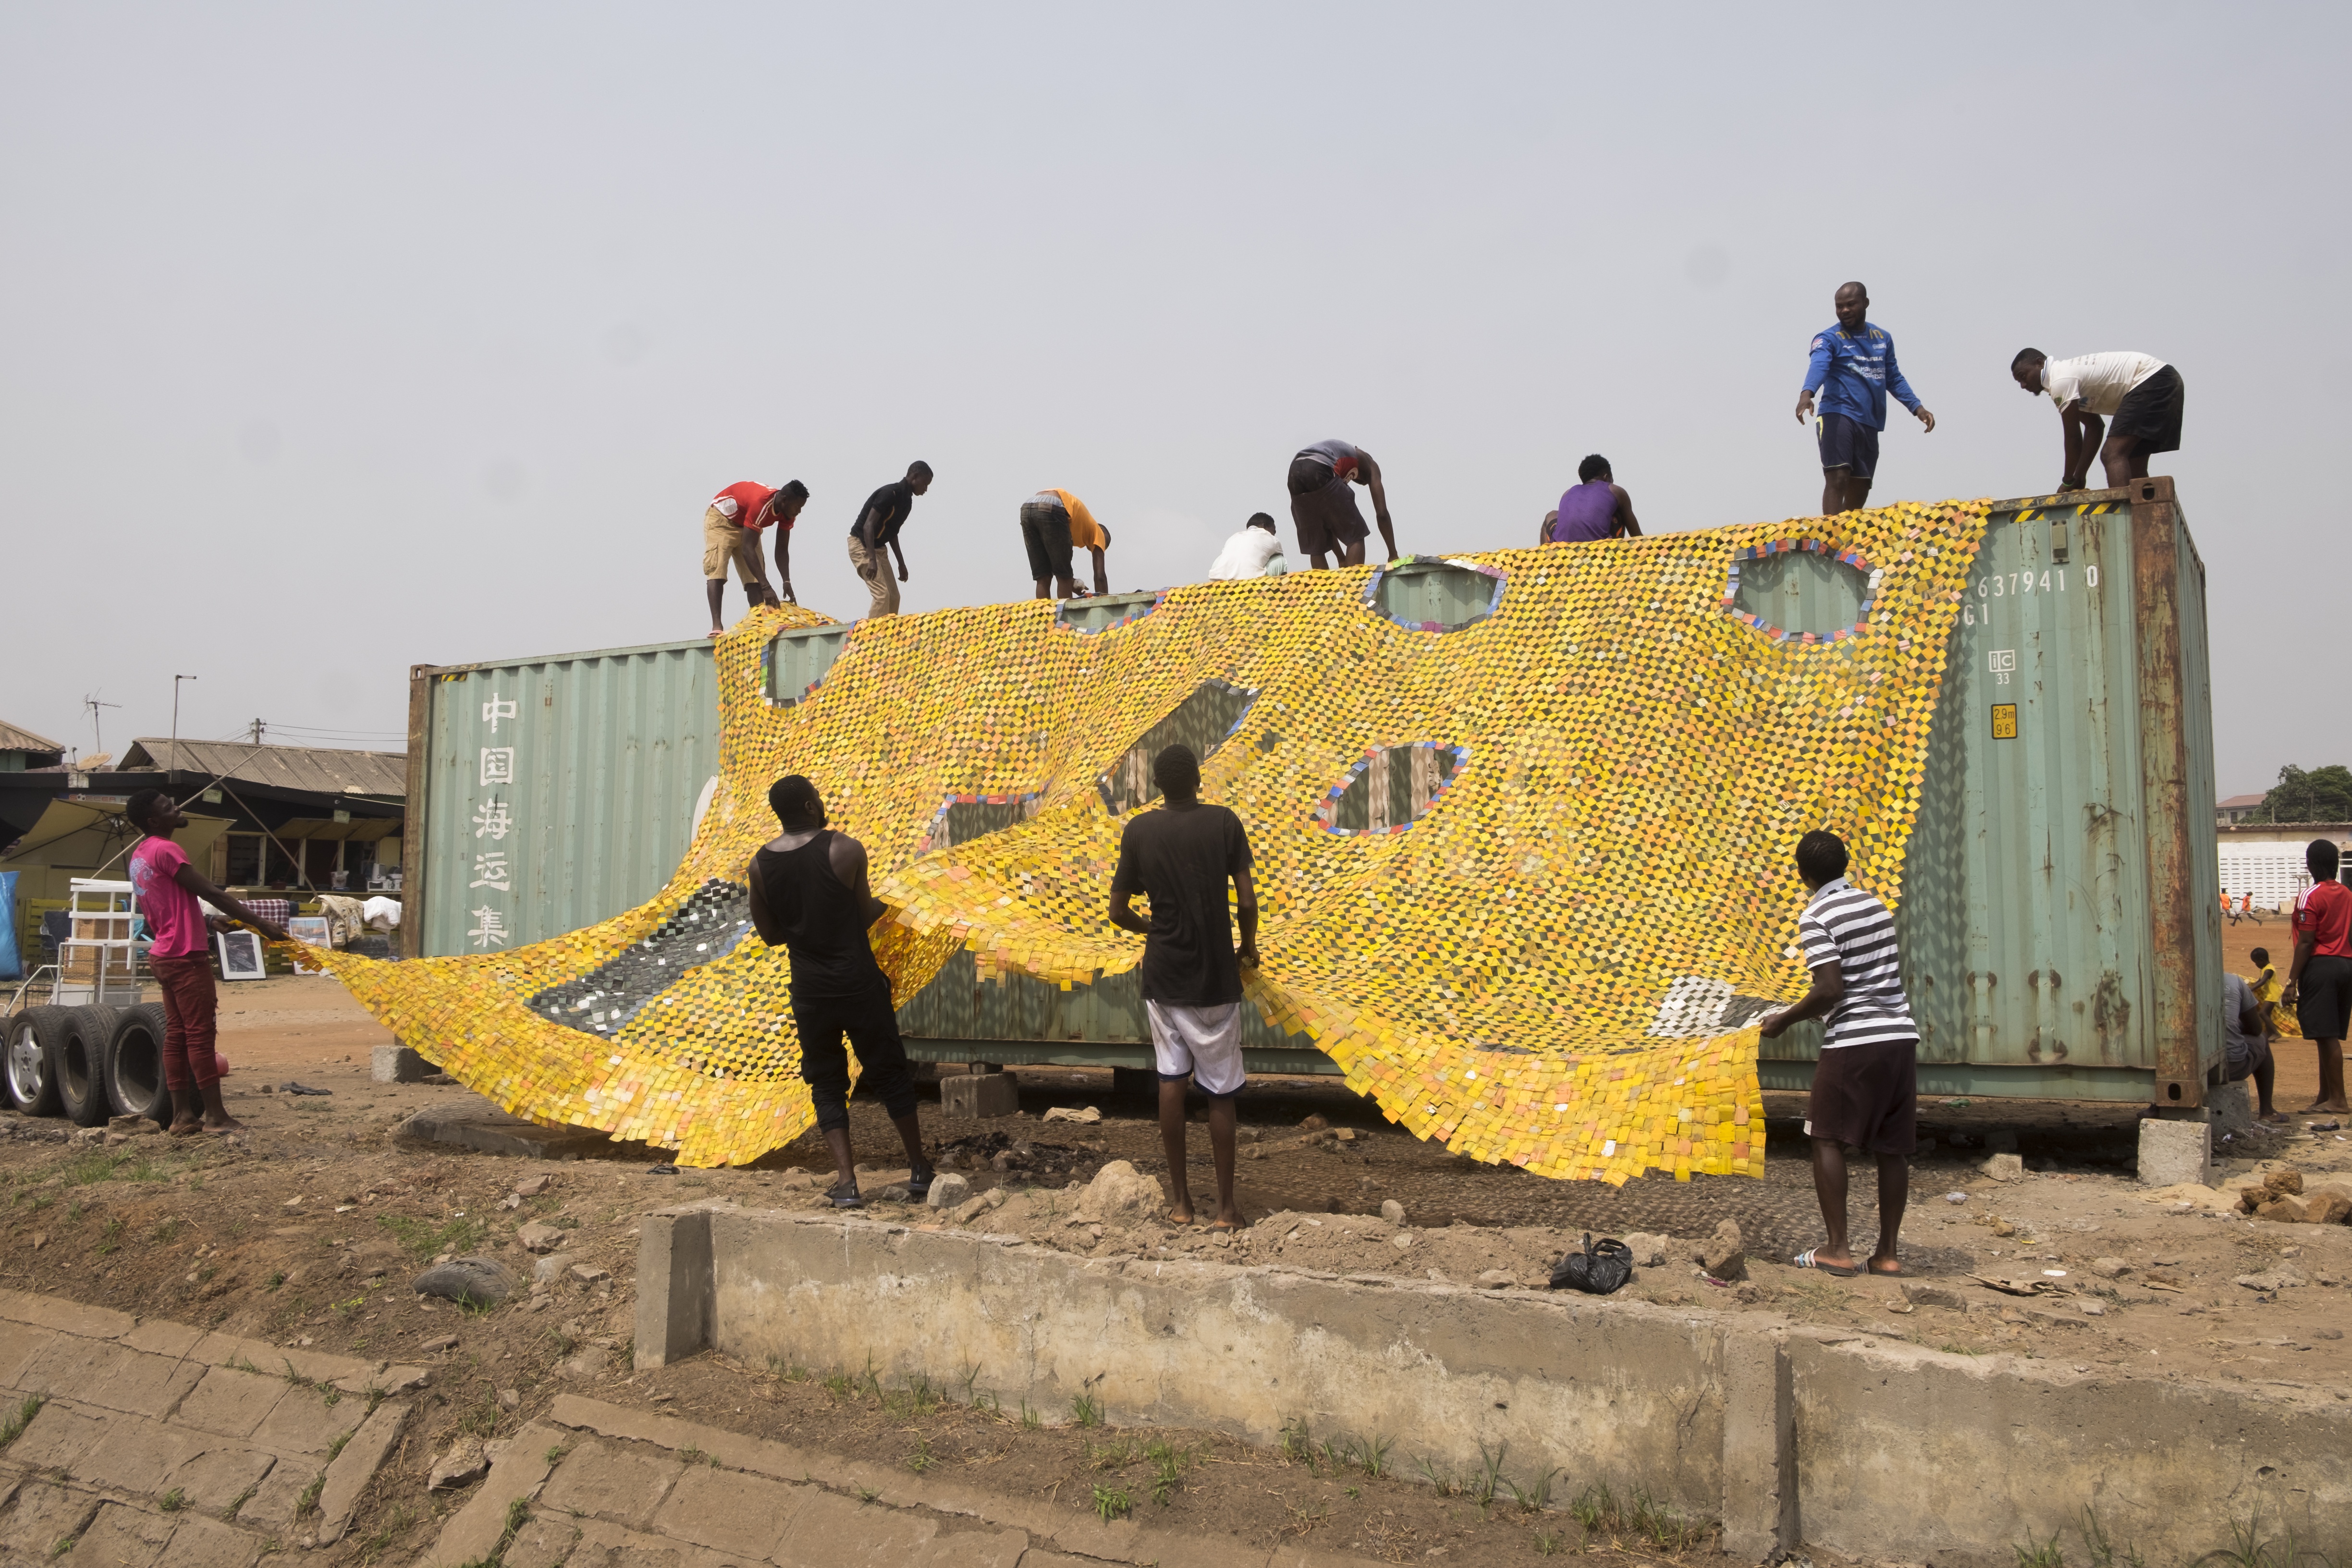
(724,539)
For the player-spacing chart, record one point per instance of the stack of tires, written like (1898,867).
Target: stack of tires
(87,1063)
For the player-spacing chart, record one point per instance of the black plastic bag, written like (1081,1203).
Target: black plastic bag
(1602,1266)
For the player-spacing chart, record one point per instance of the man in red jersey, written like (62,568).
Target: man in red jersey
(731,533)
(2319,980)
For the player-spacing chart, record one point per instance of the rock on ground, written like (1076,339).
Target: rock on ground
(1649,1249)
(948,1191)
(1120,1192)
(464,1462)
(1723,1255)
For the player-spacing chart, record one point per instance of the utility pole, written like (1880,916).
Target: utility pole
(175,719)
(255,729)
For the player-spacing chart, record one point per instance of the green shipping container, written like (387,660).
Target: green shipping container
(2059,922)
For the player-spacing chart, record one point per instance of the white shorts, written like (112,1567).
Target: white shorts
(1203,1044)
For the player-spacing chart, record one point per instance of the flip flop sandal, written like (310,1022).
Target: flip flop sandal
(845,1196)
(1809,1259)
(918,1183)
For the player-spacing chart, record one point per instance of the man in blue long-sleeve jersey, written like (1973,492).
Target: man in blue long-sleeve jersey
(1852,368)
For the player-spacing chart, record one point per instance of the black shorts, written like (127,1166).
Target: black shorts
(2150,415)
(2322,1003)
(872,1026)
(1045,529)
(1326,516)
(1868,1097)
(1846,443)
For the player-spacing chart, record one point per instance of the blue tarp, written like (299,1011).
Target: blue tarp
(12,966)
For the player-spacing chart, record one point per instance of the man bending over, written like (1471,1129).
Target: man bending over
(1180,856)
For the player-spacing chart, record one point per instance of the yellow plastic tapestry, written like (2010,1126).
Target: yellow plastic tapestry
(1633,760)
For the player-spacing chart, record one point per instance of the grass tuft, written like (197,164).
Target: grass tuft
(1085,1410)
(19,1418)
(1112,1502)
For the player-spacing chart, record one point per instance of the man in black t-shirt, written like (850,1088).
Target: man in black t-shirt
(878,523)
(1180,857)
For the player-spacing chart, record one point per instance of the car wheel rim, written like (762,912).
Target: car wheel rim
(24,1064)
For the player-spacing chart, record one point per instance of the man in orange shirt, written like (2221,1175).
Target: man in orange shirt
(1055,524)
(730,533)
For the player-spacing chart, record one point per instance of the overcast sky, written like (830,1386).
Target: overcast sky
(337,339)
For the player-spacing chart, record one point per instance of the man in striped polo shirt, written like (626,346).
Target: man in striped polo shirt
(1865,1085)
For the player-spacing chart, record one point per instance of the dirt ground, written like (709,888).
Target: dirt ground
(308,1228)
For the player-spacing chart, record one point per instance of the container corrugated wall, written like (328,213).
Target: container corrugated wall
(2026,922)
(556,792)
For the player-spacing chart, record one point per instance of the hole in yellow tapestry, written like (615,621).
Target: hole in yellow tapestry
(1203,720)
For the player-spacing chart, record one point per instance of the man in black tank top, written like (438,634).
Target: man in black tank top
(809,896)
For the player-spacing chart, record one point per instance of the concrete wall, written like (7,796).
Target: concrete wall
(1872,1448)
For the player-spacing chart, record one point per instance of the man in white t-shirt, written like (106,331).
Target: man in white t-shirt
(2132,399)
(1255,551)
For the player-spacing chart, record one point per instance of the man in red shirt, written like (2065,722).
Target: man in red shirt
(731,533)
(181,960)
(2319,981)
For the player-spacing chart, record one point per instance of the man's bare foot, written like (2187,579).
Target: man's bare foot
(184,1129)
(2332,1106)
(1181,1212)
(1887,1268)
(222,1124)
(1228,1219)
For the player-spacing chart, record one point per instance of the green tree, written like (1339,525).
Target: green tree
(2323,794)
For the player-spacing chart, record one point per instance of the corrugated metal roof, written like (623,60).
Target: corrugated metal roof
(12,739)
(316,768)
(2239,802)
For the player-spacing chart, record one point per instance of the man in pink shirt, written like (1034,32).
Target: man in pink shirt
(169,889)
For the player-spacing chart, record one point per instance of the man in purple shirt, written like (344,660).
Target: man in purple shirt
(1597,508)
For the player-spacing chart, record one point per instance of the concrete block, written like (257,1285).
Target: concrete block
(482,1127)
(219,1476)
(121,1534)
(349,1473)
(135,1455)
(979,1095)
(2230,1107)
(611,1483)
(674,1286)
(732,1513)
(1760,1448)
(398,1064)
(517,1467)
(2172,1151)
(832,1532)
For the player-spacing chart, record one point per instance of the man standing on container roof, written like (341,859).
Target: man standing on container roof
(2140,392)
(878,523)
(1324,509)
(731,534)
(1853,367)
